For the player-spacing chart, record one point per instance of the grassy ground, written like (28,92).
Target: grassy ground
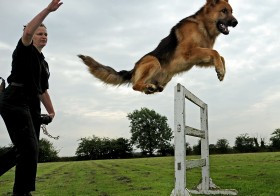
(251,174)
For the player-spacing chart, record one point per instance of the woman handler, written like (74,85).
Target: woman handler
(20,105)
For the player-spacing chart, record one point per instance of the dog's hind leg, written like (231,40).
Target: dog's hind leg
(144,72)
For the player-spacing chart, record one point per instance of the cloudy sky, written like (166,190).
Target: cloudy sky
(118,34)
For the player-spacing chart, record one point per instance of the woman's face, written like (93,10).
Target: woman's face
(40,38)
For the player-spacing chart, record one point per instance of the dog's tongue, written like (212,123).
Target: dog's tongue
(224,28)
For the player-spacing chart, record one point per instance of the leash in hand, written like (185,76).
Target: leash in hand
(45,120)
(45,131)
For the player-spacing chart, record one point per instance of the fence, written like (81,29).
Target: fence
(181,164)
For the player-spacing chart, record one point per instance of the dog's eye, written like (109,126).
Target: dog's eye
(225,11)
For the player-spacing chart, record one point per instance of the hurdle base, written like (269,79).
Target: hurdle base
(213,190)
(186,193)
(208,192)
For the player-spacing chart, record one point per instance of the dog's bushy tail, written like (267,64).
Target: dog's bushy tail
(105,73)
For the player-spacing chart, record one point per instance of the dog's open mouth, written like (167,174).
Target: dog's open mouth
(223,28)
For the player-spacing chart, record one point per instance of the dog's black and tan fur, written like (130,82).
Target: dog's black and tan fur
(189,43)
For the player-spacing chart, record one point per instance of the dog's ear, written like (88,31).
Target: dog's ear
(214,2)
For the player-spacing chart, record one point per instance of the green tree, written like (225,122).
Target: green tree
(222,146)
(166,149)
(197,148)
(275,139)
(212,149)
(122,148)
(188,149)
(245,143)
(91,148)
(256,142)
(263,147)
(106,149)
(47,152)
(149,130)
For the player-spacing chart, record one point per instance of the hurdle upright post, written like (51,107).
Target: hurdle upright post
(180,144)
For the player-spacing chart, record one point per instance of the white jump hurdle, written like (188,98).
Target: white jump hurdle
(206,186)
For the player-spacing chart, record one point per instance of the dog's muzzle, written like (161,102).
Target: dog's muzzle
(223,25)
(233,23)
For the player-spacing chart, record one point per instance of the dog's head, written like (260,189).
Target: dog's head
(220,12)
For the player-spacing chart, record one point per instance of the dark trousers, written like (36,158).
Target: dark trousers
(21,115)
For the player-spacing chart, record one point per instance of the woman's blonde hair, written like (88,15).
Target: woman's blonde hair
(41,25)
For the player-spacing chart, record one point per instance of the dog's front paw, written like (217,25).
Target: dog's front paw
(221,69)
(220,74)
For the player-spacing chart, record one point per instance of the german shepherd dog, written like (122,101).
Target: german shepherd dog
(189,43)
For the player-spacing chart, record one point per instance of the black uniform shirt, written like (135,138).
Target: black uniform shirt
(30,69)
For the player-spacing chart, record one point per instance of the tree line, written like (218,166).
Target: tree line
(243,144)
(92,148)
(47,152)
(151,136)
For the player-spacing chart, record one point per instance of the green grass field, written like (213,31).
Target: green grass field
(251,174)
